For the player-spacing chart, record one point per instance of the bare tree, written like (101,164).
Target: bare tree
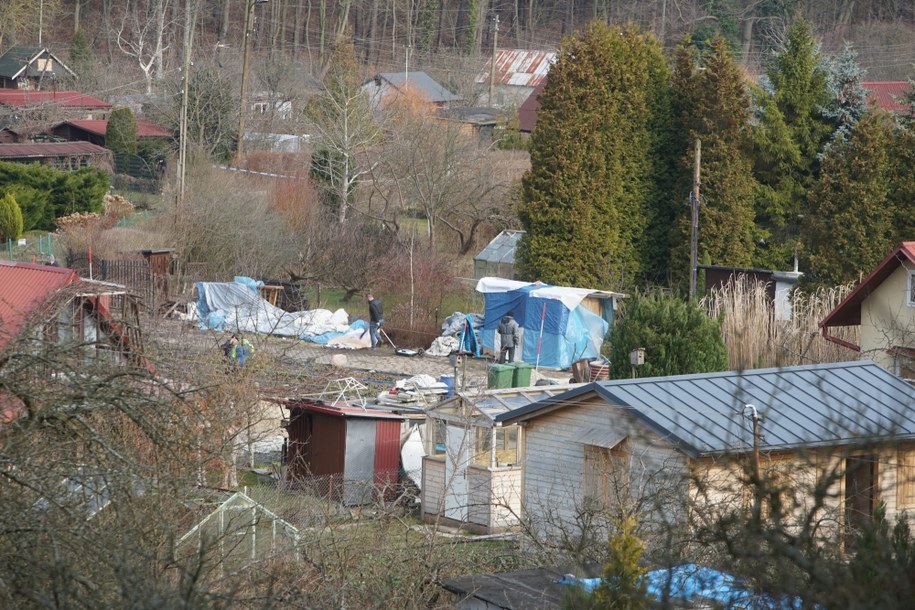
(141,35)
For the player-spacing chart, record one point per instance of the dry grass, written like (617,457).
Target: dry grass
(755,339)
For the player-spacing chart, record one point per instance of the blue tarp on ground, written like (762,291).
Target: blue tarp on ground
(691,582)
(554,322)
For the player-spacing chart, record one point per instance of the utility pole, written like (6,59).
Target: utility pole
(242,108)
(694,205)
(190,15)
(492,65)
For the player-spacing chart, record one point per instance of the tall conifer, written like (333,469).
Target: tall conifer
(591,199)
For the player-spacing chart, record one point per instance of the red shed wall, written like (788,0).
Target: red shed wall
(387,455)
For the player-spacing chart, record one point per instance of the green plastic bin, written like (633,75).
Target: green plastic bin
(521,376)
(500,375)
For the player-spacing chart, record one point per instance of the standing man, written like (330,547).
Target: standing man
(376,320)
(510,337)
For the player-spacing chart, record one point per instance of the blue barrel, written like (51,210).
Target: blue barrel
(448,380)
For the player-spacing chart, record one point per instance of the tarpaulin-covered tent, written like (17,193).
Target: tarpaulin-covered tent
(560,325)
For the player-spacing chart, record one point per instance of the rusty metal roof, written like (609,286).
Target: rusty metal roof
(145,129)
(50,149)
(69,99)
(24,288)
(519,68)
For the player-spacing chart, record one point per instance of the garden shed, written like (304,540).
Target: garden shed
(472,469)
(347,453)
(497,259)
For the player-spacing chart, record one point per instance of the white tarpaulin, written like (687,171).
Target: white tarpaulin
(235,306)
(570,297)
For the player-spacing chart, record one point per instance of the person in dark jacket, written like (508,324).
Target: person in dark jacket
(510,335)
(376,320)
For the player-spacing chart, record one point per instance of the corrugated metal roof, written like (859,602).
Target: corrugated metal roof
(519,67)
(848,312)
(145,129)
(24,287)
(502,248)
(421,82)
(68,99)
(818,405)
(887,95)
(341,410)
(49,149)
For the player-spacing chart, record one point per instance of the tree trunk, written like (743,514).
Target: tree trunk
(373,34)
(76,6)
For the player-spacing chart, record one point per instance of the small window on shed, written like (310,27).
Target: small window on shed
(437,437)
(606,475)
(910,293)
(905,480)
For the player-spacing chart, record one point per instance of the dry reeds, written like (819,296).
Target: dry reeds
(755,338)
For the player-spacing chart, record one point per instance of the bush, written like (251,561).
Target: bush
(678,337)
(10,218)
(44,193)
(121,136)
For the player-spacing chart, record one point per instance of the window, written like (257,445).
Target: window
(606,475)
(437,437)
(905,480)
(503,440)
(910,293)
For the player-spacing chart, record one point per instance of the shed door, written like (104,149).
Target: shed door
(457,455)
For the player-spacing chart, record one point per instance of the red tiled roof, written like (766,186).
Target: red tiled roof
(527,112)
(67,99)
(145,129)
(50,149)
(848,312)
(886,95)
(24,288)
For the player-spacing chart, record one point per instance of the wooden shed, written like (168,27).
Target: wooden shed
(349,454)
(472,471)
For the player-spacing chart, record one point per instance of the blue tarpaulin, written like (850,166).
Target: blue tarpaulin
(557,329)
(690,582)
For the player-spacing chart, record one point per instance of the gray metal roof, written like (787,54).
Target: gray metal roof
(422,82)
(501,249)
(818,405)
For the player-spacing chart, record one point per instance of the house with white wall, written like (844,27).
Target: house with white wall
(883,305)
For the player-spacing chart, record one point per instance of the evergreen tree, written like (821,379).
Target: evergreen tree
(10,218)
(80,51)
(850,222)
(623,586)
(121,135)
(677,335)
(212,118)
(848,99)
(790,133)
(711,104)
(590,202)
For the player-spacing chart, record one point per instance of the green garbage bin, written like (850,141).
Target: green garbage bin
(521,376)
(500,375)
